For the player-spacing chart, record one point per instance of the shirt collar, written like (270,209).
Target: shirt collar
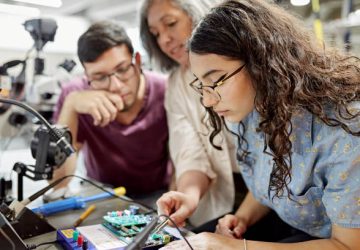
(301,135)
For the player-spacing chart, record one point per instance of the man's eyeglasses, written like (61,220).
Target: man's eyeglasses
(198,86)
(104,81)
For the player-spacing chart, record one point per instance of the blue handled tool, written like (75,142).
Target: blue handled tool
(76,202)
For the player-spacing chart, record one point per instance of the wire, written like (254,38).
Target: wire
(29,109)
(53,131)
(44,190)
(8,239)
(177,228)
(115,195)
(36,195)
(34,246)
(7,143)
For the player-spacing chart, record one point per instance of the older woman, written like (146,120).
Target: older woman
(204,174)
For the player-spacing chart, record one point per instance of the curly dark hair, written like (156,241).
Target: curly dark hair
(289,69)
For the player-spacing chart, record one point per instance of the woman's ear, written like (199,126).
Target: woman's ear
(138,59)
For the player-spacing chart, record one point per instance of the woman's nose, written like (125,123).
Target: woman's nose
(164,39)
(209,100)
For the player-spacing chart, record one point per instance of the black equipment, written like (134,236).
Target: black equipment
(42,30)
(15,84)
(50,147)
(48,155)
(9,239)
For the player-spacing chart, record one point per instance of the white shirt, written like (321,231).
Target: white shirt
(190,148)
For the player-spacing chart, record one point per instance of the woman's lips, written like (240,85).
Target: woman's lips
(176,51)
(222,113)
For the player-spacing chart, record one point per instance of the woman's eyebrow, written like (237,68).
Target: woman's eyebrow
(210,72)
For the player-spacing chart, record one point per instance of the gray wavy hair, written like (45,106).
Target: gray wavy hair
(195,9)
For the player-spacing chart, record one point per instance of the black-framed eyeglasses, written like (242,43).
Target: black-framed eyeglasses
(198,86)
(104,81)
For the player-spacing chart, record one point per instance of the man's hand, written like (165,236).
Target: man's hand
(103,106)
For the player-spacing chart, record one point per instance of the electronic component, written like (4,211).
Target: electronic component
(126,225)
(116,232)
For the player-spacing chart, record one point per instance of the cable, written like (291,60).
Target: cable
(29,109)
(44,190)
(177,228)
(34,246)
(5,144)
(141,238)
(54,132)
(8,239)
(115,195)
(17,207)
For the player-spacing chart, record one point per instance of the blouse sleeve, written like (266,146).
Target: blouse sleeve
(342,192)
(186,147)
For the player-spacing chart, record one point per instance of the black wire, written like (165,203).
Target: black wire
(34,246)
(47,243)
(29,109)
(48,187)
(53,131)
(115,195)
(6,145)
(177,228)
(8,239)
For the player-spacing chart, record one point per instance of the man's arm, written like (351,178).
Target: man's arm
(69,117)
(103,107)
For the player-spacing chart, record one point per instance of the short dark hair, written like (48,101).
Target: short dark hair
(100,37)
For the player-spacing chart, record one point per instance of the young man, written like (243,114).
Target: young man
(116,114)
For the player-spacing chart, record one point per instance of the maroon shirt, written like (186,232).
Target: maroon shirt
(134,156)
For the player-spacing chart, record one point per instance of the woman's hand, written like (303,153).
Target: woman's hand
(205,241)
(231,226)
(177,205)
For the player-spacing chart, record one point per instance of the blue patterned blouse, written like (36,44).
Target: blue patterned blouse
(325,174)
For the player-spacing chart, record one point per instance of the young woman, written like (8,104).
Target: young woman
(295,108)
(165,27)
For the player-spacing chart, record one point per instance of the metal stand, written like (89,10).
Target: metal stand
(29,171)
